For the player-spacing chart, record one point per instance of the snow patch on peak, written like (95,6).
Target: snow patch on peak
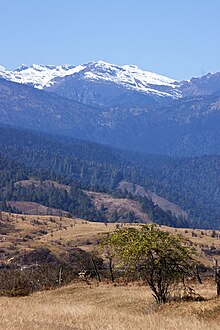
(130,67)
(101,63)
(39,75)
(2,68)
(21,68)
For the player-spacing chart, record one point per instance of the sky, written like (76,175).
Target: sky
(178,39)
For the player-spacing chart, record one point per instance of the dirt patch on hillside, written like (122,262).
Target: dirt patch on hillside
(122,206)
(36,208)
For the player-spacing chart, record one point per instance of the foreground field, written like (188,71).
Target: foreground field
(80,306)
(91,307)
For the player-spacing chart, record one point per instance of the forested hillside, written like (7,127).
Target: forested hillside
(192,183)
(17,188)
(73,201)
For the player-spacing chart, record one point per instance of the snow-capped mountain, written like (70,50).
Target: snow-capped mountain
(128,76)
(118,105)
(100,83)
(103,84)
(39,76)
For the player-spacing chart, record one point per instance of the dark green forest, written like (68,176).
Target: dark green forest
(75,201)
(192,183)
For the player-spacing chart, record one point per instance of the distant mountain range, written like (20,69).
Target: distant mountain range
(118,105)
(128,77)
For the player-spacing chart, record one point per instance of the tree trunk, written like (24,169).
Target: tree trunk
(60,277)
(96,270)
(217,277)
(197,275)
(111,270)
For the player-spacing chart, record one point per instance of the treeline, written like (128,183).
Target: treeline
(10,171)
(72,200)
(192,183)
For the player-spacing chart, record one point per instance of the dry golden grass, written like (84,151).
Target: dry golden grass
(83,307)
(59,233)
(201,239)
(36,208)
(26,232)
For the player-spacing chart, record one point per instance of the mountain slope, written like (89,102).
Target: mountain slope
(106,84)
(25,106)
(185,127)
(38,196)
(208,84)
(191,183)
(128,76)
(39,76)
(137,190)
(182,127)
(101,83)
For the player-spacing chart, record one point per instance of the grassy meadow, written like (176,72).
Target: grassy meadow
(104,306)
(81,306)
(20,233)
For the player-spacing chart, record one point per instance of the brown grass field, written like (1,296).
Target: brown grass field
(106,307)
(80,306)
(27,232)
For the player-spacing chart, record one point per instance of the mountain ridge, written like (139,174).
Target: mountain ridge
(129,76)
(181,127)
(41,76)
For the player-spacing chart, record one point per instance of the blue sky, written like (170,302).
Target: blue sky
(179,39)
